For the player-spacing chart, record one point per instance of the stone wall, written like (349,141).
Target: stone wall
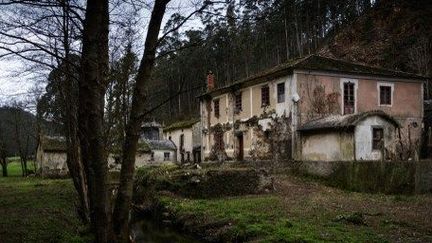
(395,177)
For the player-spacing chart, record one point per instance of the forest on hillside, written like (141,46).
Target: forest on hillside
(241,38)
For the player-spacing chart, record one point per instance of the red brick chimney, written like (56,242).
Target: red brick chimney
(210,81)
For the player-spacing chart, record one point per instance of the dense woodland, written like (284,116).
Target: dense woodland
(244,37)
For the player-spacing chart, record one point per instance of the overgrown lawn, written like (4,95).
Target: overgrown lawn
(37,210)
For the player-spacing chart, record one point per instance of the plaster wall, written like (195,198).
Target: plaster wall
(328,146)
(51,162)
(363,138)
(187,142)
(406,107)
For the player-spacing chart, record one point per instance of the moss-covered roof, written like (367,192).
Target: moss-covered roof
(53,143)
(160,144)
(314,63)
(181,125)
(345,121)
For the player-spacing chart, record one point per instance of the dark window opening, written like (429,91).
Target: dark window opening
(181,142)
(265,96)
(349,98)
(377,138)
(216,108)
(219,142)
(166,156)
(385,95)
(152,156)
(238,103)
(281,93)
(267,134)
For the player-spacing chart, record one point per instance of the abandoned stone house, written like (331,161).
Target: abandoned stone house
(51,156)
(314,108)
(155,149)
(51,152)
(186,135)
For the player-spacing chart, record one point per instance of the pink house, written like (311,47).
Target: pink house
(315,108)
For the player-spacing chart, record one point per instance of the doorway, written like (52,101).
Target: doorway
(240,154)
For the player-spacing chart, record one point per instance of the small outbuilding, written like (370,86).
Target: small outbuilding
(186,135)
(51,156)
(161,151)
(361,136)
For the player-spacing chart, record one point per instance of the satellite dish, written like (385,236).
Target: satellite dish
(295,98)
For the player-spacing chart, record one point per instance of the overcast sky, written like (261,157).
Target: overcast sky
(14,86)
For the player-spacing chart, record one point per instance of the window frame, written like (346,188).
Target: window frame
(376,147)
(280,95)
(267,88)
(167,158)
(216,109)
(391,86)
(343,81)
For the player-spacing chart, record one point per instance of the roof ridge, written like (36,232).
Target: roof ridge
(366,65)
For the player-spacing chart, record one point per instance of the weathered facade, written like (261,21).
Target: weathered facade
(186,136)
(261,117)
(349,137)
(51,156)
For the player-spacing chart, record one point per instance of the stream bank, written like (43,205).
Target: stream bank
(298,210)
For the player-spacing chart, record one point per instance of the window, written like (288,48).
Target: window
(377,138)
(216,107)
(281,93)
(265,96)
(385,95)
(181,142)
(218,141)
(152,156)
(238,102)
(166,156)
(349,98)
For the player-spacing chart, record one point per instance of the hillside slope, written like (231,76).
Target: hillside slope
(395,34)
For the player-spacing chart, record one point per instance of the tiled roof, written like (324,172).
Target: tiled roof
(160,144)
(344,121)
(315,63)
(53,143)
(181,125)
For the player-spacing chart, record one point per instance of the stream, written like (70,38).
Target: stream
(147,230)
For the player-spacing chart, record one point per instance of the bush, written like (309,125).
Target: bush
(202,183)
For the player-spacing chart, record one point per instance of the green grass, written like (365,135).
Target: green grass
(37,210)
(14,167)
(266,219)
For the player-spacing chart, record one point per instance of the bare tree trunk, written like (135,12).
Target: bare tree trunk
(122,204)
(4,166)
(92,87)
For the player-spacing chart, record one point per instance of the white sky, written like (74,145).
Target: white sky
(13,86)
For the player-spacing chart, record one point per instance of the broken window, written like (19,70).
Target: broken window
(216,107)
(349,98)
(281,93)
(377,138)
(385,95)
(265,96)
(238,102)
(166,156)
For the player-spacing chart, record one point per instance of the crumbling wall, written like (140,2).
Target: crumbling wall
(272,137)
